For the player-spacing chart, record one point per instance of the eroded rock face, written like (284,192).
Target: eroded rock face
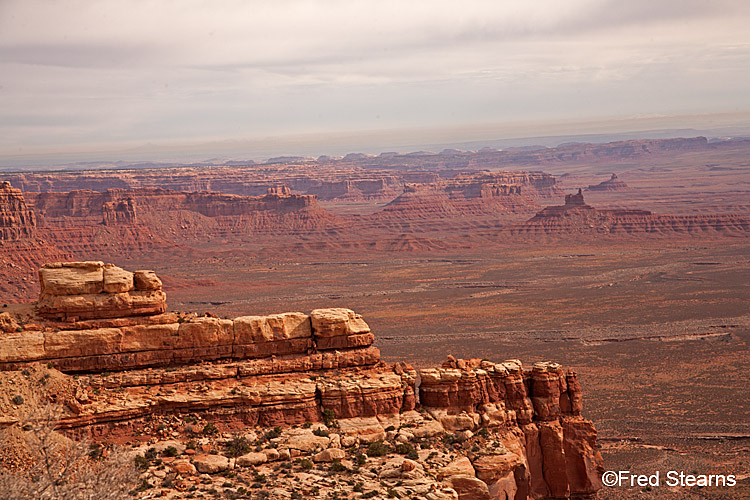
(17,220)
(296,368)
(71,291)
(540,408)
(577,218)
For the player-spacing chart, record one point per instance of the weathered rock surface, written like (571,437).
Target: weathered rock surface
(93,290)
(17,220)
(538,406)
(295,369)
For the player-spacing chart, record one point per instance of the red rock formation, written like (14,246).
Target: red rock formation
(353,177)
(17,220)
(472,194)
(89,290)
(552,457)
(611,184)
(293,368)
(576,218)
(119,212)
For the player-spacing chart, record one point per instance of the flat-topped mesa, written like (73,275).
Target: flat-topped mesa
(72,291)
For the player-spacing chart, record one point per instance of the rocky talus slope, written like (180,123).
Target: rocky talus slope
(222,406)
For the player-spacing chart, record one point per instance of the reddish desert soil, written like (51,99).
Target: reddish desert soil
(657,326)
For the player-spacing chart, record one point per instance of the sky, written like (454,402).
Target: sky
(111,76)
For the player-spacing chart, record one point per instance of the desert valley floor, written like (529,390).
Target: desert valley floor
(643,289)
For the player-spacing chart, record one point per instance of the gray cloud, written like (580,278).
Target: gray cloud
(77,73)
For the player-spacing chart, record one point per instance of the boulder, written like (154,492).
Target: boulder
(307,442)
(329,455)
(252,458)
(116,280)
(254,329)
(210,464)
(72,291)
(468,487)
(146,280)
(459,467)
(337,322)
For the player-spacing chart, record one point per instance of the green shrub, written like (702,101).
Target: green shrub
(237,447)
(210,429)
(141,462)
(329,417)
(273,433)
(377,449)
(170,451)
(337,466)
(408,450)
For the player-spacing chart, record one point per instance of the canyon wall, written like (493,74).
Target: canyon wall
(119,206)
(16,218)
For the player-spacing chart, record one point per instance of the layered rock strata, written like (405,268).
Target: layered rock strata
(550,448)
(85,290)
(17,220)
(576,218)
(296,368)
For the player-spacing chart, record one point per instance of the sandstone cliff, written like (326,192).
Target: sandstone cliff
(136,364)
(16,218)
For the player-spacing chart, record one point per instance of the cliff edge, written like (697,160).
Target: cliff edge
(123,369)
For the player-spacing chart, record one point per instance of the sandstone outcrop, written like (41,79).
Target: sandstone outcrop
(540,410)
(17,220)
(317,370)
(88,290)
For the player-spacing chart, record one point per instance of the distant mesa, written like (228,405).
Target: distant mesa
(611,184)
(289,159)
(576,218)
(356,156)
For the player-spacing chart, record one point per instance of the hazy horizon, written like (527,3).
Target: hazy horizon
(119,80)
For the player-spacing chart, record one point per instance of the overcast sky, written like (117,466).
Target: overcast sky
(98,74)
